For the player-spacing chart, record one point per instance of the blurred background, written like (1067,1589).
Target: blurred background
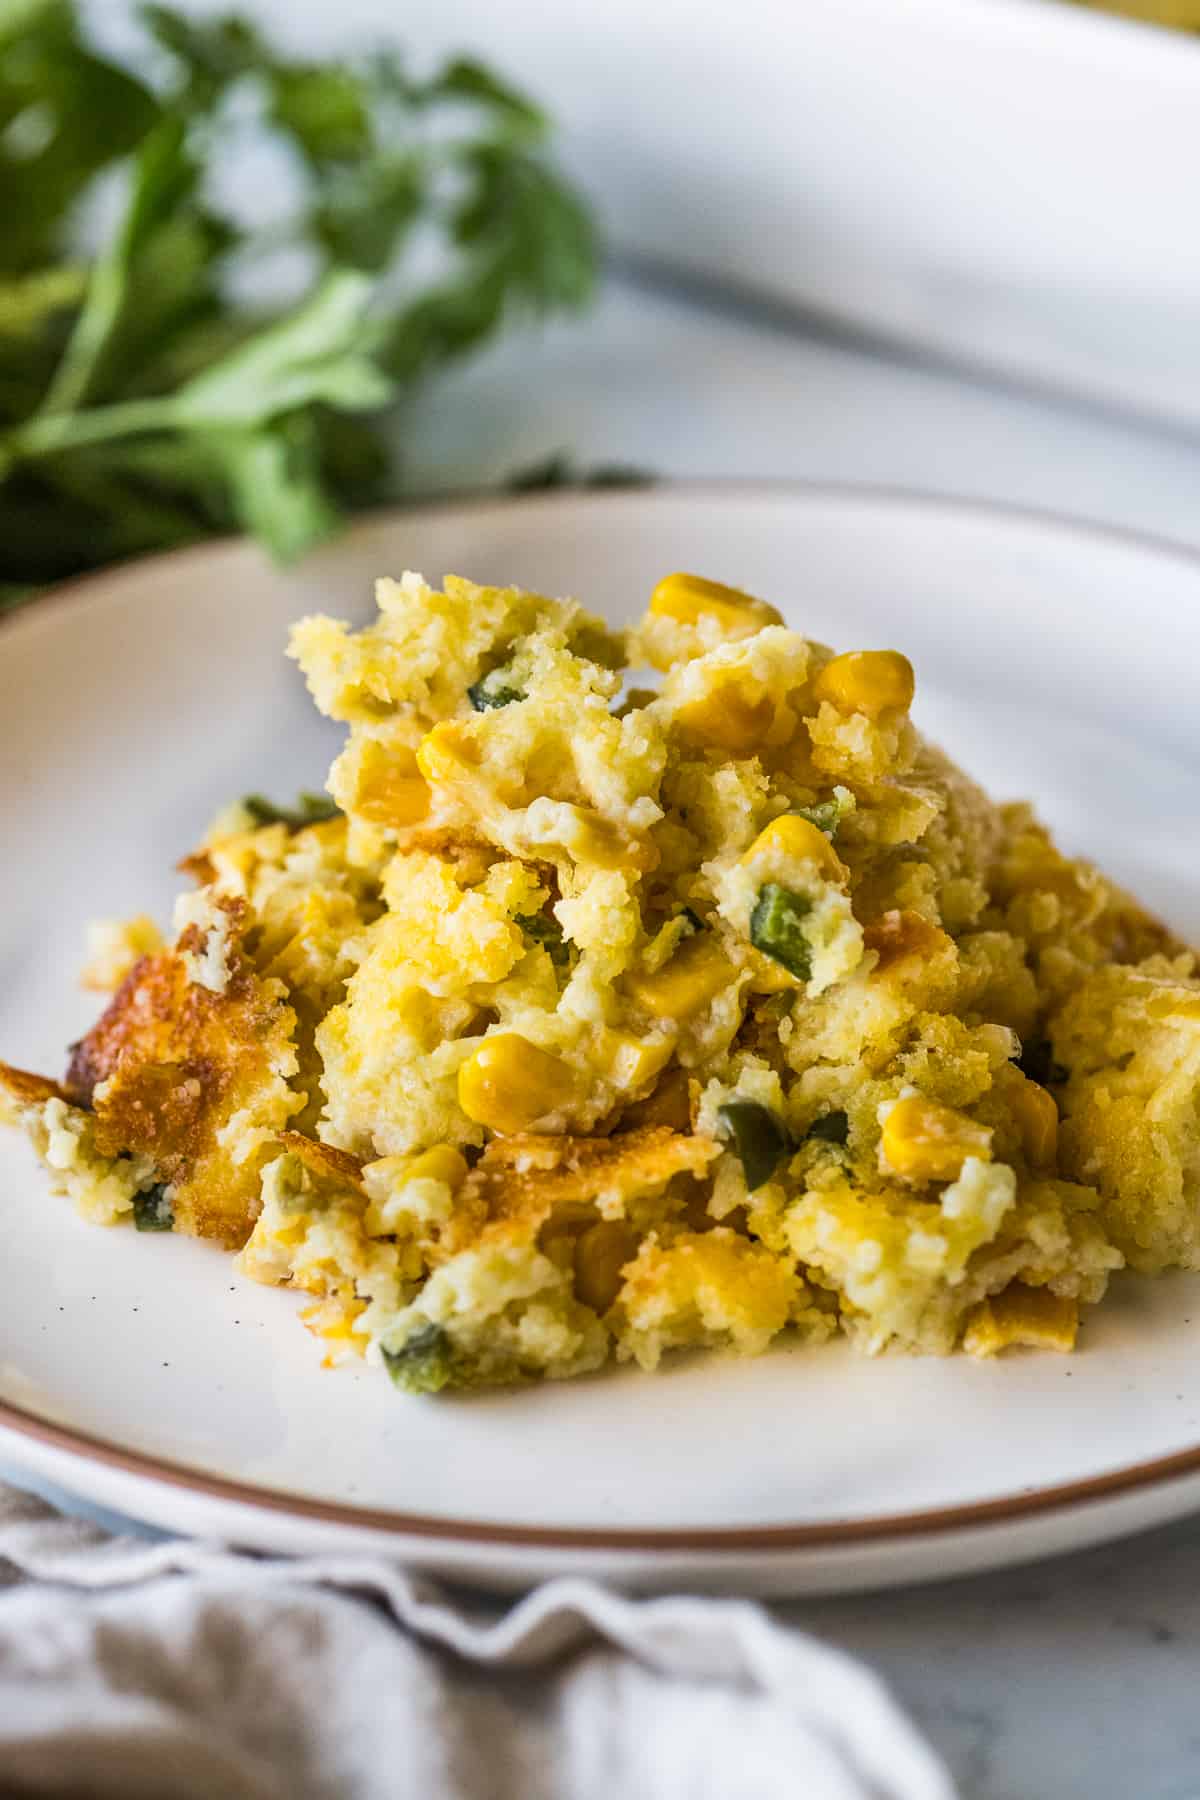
(943,244)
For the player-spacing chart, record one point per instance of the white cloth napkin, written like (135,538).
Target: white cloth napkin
(131,1669)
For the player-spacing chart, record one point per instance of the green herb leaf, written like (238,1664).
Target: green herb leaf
(65,115)
(275,485)
(155,267)
(321,352)
(142,403)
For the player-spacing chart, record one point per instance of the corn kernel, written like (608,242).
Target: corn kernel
(1037,1118)
(442,1163)
(726,717)
(599,841)
(689,598)
(1022,1315)
(797,840)
(447,752)
(630,1062)
(696,974)
(600,1255)
(387,788)
(510,1083)
(867,681)
(925,1141)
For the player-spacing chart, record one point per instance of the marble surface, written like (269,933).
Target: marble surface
(1067,1680)
(1072,1680)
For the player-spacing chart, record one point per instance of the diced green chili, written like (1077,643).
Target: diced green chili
(777,928)
(492,690)
(826,815)
(152,1210)
(310,809)
(423,1365)
(830,1128)
(760,1139)
(549,934)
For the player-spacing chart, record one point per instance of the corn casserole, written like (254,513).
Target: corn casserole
(599,1014)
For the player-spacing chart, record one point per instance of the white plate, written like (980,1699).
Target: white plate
(143,1374)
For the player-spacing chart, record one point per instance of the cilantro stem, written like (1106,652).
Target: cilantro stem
(50,433)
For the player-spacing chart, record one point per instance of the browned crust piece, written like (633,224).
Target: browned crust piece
(323,1160)
(520,1181)
(177,1061)
(31,1090)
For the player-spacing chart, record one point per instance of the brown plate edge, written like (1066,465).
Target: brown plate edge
(482,1533)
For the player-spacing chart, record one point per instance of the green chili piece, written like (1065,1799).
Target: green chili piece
(423,1365)
(777,928)
(152,1211)
(310,809)
(830,1128)
(759,1138)
(826,815)
(549,934)
(493,690)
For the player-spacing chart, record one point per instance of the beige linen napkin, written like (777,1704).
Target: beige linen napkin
(131,1669)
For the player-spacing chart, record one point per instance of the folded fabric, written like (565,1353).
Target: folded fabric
(133,1669)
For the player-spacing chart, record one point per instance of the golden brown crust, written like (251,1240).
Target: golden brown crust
(200,866)
(519,1181)
(323,1160)
(31,1090)
(898,935)
(175,1061)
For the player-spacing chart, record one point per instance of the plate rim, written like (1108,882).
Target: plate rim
(971,1516)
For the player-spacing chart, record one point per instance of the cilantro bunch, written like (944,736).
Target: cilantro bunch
(150,394)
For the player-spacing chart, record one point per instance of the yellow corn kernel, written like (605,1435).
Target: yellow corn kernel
(926,1141)
(725,716)
(1021,1315)
(799,840)
(867,681)
(509,1083)
(448,751)
(630,1062)
(600,1255)
(386,787)
(1037,1119)
(689,598)
(442,1163)
(599,841)
(695,975)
